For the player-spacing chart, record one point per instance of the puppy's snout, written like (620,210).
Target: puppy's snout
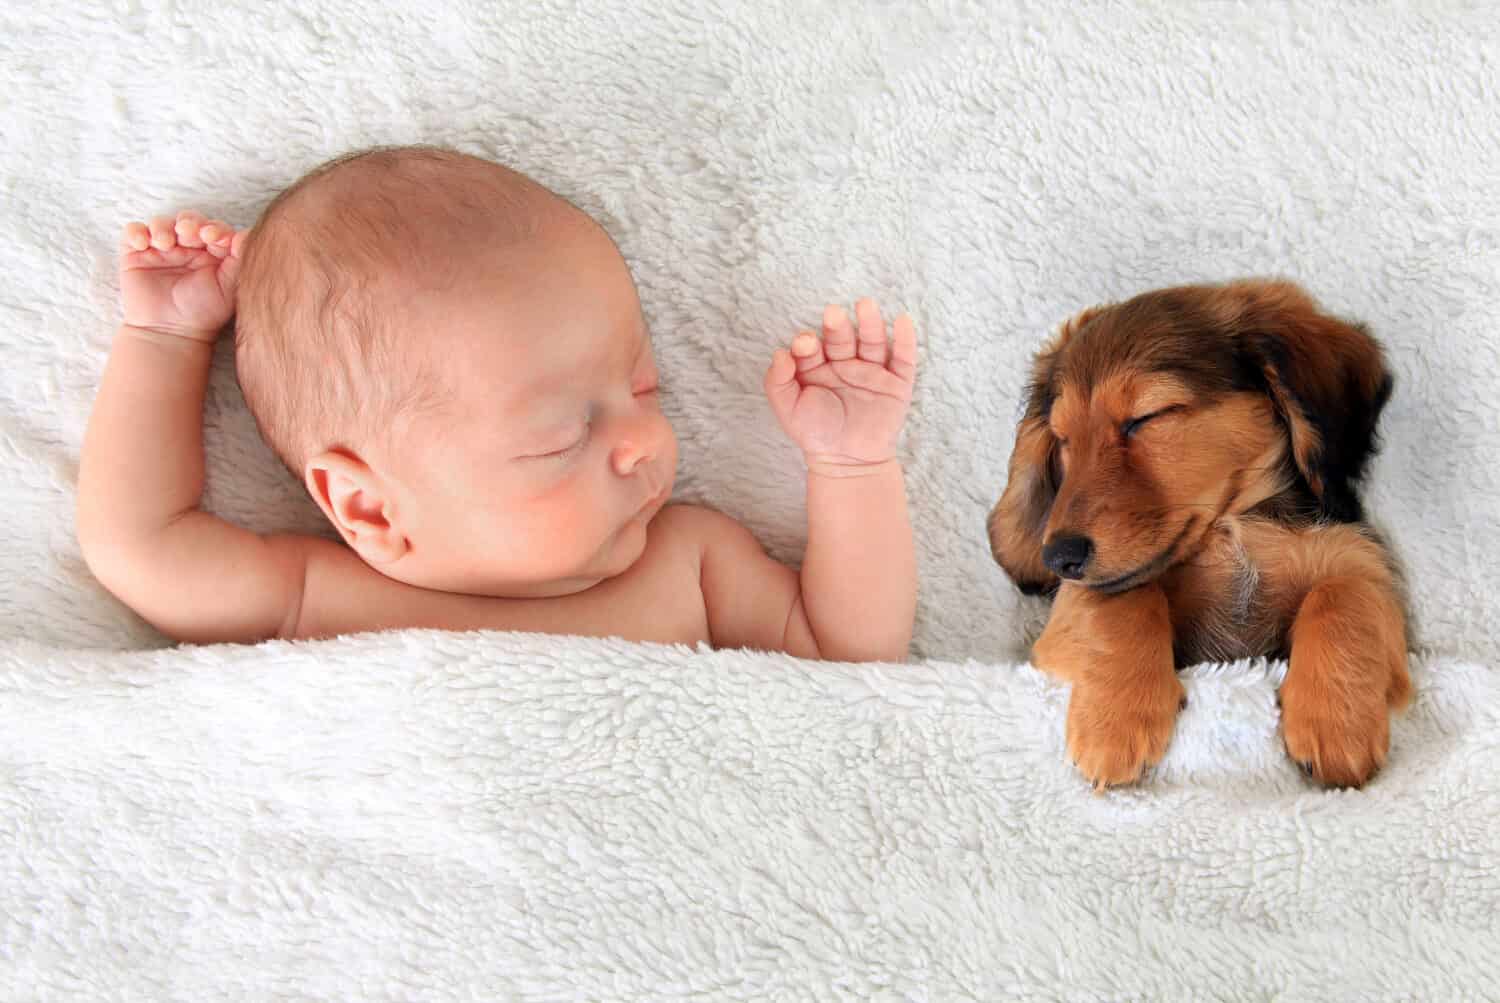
(1067,556)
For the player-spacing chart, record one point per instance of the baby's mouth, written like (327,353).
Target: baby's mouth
(657,499)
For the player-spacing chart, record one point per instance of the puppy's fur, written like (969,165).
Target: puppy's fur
(1184,481)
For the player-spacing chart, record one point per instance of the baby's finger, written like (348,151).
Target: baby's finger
(781,383)
(135,238)
(163,233)
(838,334)
(234,256)
(217,237)
(904,350)
(808,351)
(872,342)
(187,228)
(782,370)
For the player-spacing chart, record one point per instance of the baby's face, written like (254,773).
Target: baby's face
(542,472)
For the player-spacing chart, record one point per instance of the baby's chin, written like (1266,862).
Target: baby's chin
(513,585)
(615,556)
(625,549)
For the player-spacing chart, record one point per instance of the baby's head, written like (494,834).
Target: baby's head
(454,361)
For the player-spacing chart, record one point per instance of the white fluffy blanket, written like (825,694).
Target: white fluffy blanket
(421,816)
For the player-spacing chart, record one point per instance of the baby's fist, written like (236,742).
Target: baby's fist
(843,398)
(178,275)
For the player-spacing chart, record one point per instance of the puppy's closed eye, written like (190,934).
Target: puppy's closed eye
(1129,428)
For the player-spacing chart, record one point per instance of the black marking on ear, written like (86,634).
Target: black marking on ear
(1342,415)
(1348,447)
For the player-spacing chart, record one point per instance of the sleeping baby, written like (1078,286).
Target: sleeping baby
(454,362)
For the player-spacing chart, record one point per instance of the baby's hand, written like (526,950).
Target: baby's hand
(178,275)
(843,399)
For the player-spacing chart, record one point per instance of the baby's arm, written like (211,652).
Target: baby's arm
(193,576)
(859,575)
(843,399)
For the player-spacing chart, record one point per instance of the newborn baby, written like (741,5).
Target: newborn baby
(454,362)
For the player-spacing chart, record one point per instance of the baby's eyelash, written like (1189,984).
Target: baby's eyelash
(573,447)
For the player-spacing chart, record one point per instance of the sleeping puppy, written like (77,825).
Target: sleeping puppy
(1184,481)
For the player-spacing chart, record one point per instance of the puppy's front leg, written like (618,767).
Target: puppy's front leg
(1347,673)
(1116,650)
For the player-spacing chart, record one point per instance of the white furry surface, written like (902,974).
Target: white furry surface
(416,816)
(433,816)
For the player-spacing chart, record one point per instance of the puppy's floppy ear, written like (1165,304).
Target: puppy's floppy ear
(1019,519)
(1328,380)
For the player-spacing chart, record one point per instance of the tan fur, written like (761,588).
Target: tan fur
(1117,653)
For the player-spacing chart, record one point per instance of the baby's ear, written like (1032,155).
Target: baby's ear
(358,503)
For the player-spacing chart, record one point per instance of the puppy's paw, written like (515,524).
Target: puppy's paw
(1116,730)
(1338,737)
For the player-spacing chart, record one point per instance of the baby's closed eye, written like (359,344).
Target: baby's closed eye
(562,446)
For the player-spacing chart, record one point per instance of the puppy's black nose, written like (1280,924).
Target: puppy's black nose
(1067,556)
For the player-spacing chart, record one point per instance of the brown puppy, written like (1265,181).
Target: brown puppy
(1186,471)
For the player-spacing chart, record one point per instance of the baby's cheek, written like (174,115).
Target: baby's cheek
(566,524)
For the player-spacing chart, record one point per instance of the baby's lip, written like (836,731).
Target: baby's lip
(657,498)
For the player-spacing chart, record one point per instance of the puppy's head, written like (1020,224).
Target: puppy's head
(1148,420)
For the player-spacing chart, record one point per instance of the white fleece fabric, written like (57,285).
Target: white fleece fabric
(490,816)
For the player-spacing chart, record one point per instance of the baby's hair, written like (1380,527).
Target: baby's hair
(324,352)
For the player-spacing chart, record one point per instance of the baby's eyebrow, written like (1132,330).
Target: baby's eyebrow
(553,419)
(530,417)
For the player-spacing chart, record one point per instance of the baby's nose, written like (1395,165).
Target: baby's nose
(628,455)
(637,446)
(642,437)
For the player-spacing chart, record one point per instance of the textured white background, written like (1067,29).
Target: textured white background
(990,167)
